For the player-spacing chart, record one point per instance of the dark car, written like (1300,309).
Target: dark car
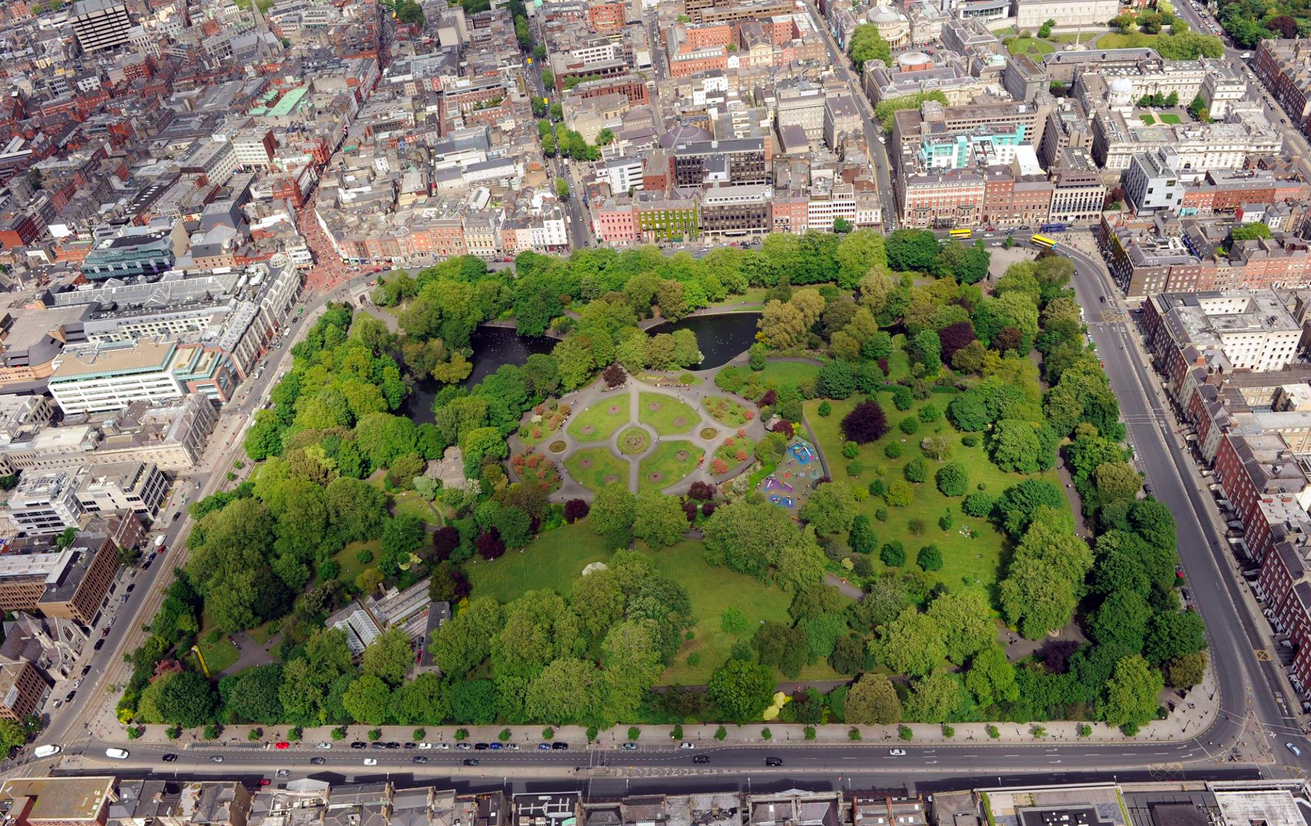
(495,746)
(86,669)
(409,745)
(69,697)
(377,745)
(170,758)
(177,515)
(419,758)
(359,744)
(99,645)
(393,745)
(701,758)
(543,746)
(773,761)
(480,747)
(559,747)
(471,761)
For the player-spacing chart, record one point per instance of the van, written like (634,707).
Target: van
(47,751)
(117,754)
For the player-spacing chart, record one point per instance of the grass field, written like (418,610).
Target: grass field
(1132,40)
(670,417)
(599,422)
(595,467)
(780,373)
(1171,118)
(534,433)
(1031,46)
(726,411)
(218,655)
(352,567)
(410,502)
(967,559)
(553,560)
(1147,119)
(713,590)
(672,460)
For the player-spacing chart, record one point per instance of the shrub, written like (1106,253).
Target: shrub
(948,731)
(994,732)
(881,514)
(364,557)
(212,731)
(504,736)
(905,733)
(909,425)
(893,554)
(855,467)
(575,509)
(970,439)
(809,732)
(766,734)
(375,734)
(977,504)
(721,733)
(944,521)
(915,526)
(854,735)
(951,479)
(254,734)
(892,450)
(899,494)
(865,423)
(902,398)
(929,558)
(930,413)
(825,409)
(916,470)
(634,732)
(850,450)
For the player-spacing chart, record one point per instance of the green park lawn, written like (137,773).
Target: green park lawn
(782,373)
(1147,119)
(534,433)
(668,415)
(1131,40)
(596,467)
(218,655)
(634,441)
(713,590)
(554,559)
(411,503)
(599,422)
(1031,46)
(352,567)
(1171,118)
(969,560)
(672,460)
(726,410)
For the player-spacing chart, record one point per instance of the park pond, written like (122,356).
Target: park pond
(721,337)
(492,347)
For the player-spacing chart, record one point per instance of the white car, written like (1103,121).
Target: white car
(444,746)
(47,751)
(324,745)
(897,752)
(370,761)
(425,746)
(686,745)
(116,754)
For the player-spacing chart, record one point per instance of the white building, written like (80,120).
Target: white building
(45,503)
(122,486)
(107,377)
(1031,14)
(1252,330)
(1152,183)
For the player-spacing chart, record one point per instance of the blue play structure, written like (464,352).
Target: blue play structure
(778,499)
(802,452)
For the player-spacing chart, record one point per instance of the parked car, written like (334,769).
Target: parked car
(629,747)
(686,745)
(462,747)
(559,747)
(359,744)
(323,745)
(480,747)
(543,746)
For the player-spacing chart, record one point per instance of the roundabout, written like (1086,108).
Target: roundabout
(634,441)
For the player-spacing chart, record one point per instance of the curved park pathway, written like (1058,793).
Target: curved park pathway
(693,396)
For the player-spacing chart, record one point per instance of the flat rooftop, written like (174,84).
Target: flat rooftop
(60,798)
(140,356)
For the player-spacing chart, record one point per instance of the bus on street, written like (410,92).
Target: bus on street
(1042,241)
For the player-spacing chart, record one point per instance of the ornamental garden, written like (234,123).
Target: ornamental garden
(911,492)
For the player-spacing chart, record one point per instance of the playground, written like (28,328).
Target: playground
(794,478)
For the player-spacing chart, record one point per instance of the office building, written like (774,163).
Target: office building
(45,503)
(100,24)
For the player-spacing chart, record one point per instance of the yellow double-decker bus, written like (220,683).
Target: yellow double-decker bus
(1042,241)
(961,233)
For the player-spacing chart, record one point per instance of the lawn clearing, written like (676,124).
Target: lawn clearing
(1147,119)
(1030,46)
(352,567)
(599,422)
(634,441)
(411,503)
(712,590)
(1171,118)
(596,467)
(725,410)
(668,415)
(543,425)
(553,560)
(670,462)
(782,373)
(219,654)
(968,560)
(1131,40)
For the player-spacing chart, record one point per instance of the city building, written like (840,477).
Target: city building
(105,377)
(59,801)
(122,486)
(22,691)
(45,503)
(100,24)
(1153,183)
